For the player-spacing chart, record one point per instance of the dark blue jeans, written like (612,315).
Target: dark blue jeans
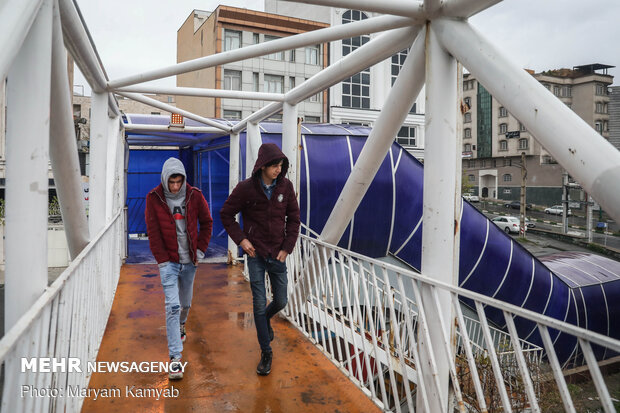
(263,312)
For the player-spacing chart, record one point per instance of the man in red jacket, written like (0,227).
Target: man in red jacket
(173,210)
(270,213)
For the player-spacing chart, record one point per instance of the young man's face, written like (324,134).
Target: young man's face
(272,172)
(174,184)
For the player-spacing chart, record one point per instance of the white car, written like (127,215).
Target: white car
(557,210)
(508,224)
(471,198)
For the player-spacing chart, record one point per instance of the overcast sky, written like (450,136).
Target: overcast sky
(138,35)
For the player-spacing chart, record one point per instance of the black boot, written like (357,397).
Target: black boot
(264,366)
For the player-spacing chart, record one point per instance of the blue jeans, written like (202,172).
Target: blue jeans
(263,312)
(178,283)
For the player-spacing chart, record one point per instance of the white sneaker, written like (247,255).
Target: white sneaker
(175,372)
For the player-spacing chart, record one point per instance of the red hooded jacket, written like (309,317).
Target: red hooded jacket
(162,230)
(272,224)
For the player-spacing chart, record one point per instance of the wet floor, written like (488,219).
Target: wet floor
(222,352)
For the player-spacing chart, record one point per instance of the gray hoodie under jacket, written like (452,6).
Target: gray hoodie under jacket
(176,203)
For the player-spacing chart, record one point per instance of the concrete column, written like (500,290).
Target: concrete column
(27,160)
(441,216)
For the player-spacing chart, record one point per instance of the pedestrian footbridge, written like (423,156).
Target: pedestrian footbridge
(402,297)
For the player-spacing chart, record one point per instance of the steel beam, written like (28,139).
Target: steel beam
(441,211)
(27,159)
(200,92)
(394,112)
(341,31)
(585,154)
(63,148)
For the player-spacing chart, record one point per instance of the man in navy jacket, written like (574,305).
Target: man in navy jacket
(270,212)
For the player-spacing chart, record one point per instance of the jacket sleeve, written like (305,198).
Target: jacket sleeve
(232,207)
(206,223)
(292,221)
(153,229)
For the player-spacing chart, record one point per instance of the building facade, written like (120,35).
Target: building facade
(614,116)
(493,139)
(227,28)
(359,99)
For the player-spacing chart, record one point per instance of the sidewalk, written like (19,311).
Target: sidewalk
(222,352)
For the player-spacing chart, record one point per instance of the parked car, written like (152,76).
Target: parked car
(557,210)
(516,205)
(508,224)
(529,224)
(471,198)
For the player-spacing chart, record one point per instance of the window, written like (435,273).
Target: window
(524,144)
(406,136)
(503,112)
(467,147)
(255,81)
(232,79)
(471,178)
(483,163)
(601,90)
(566,91)
(467,117)
(356,89)
(232,40)
(77,111)
(605,126)
(467,133)
(232,114)
(521,127)
(312,119)
(291,55)
(275,118)
(291,82)
(601,107)
(398,60)
(556,90)
(170,99)
(503,145)
(255,38)
(507,162)
(507,178)
(503,128)
(273,84)
(467,102)
(312,55)
(472,163)
(276,55)
(598,126)
(468,84)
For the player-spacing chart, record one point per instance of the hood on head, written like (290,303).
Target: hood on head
(171,167)
(270,152)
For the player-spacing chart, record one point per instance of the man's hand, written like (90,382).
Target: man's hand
(248,247)
(282,256)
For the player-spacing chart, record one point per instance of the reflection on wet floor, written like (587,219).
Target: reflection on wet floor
(222,352)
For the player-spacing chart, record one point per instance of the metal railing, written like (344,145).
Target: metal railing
(363,314)
(67,321)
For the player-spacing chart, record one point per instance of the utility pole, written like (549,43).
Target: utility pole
(565,202)
(523,205)
(589,216)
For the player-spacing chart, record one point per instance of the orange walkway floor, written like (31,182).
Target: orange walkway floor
(222,352)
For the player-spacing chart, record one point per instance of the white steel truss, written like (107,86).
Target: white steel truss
(439,34)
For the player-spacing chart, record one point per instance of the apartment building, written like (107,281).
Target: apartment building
(359,99)
(227,28)
(614,116)
(493,139)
